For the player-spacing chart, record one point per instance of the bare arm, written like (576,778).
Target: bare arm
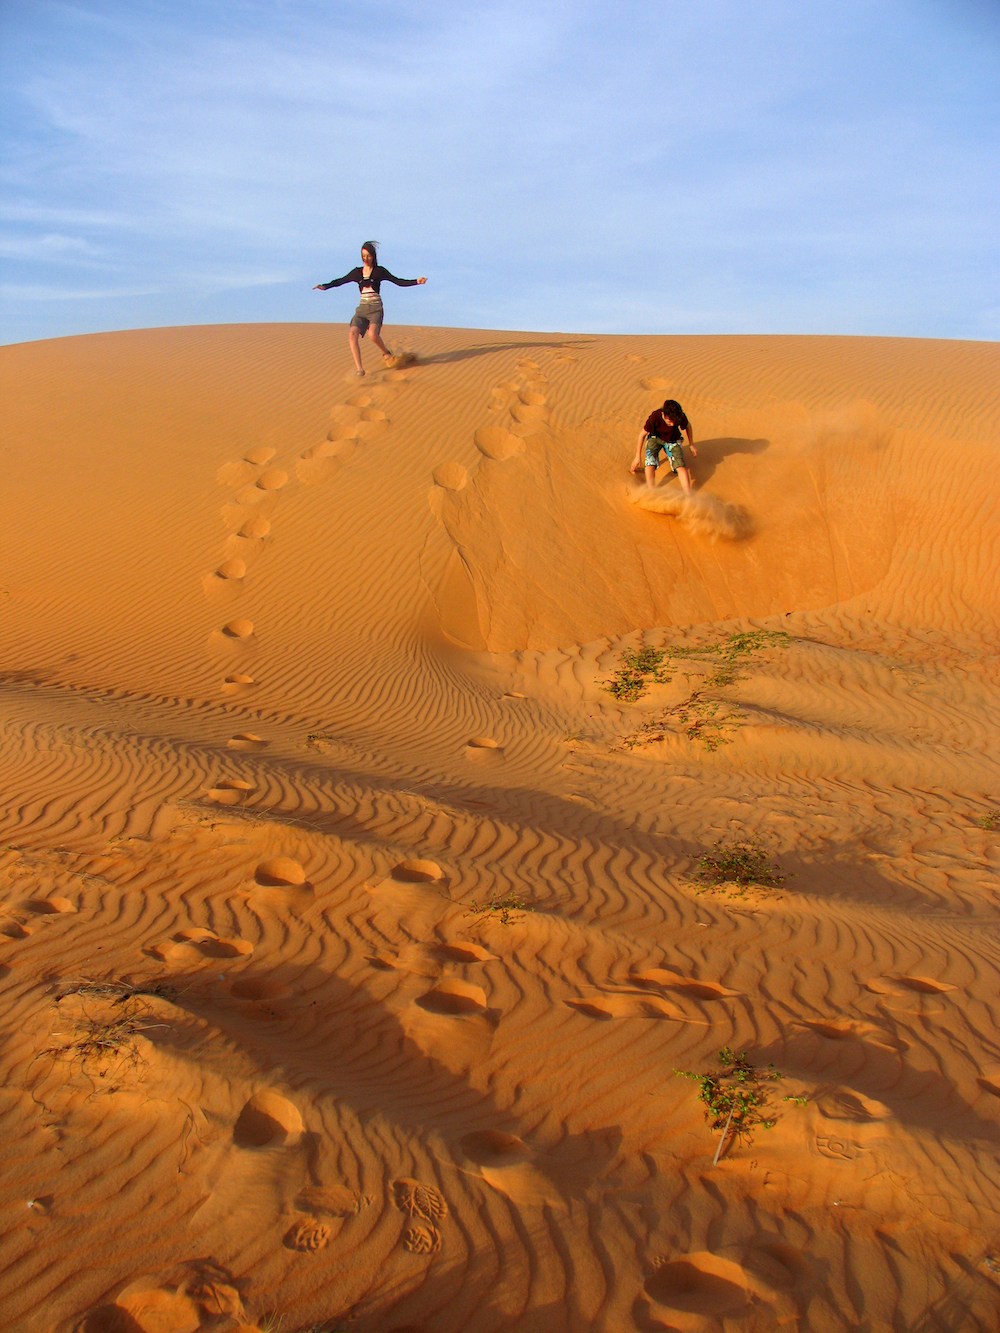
(638,452)
(690,434)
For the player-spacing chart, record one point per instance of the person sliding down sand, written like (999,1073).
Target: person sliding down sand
(369,275)
(663,431)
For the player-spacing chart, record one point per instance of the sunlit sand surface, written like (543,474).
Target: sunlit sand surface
(352,934)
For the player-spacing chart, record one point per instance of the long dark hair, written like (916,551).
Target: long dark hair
(370,247)
(673,410)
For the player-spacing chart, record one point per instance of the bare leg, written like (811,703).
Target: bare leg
(354,338)
(684,477)
(650,475)
(376,336)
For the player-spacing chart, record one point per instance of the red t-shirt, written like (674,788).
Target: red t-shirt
(663,428)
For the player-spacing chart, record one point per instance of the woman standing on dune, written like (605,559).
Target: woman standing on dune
(369,275)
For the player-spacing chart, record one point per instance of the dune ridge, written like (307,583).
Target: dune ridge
(321,815)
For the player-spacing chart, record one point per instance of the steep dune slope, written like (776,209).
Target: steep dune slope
(352,931)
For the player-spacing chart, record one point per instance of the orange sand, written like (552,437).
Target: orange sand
(300,669)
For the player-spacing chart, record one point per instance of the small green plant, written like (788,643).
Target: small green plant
(507,907)
(629,681)
(990,822)
(315,736)
(745,863)
(736,1096)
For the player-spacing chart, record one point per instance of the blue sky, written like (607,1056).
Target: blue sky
(758,166)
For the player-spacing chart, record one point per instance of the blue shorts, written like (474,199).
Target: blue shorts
(674,453)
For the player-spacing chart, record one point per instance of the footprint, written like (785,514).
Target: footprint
(702,1284)
(280,870)
(258,988)
(14,930)
(231,947)
(197,942)
(230,791)
(258,526)
(417,872)
(267,1121)
(280,883)
(841,1031)
(526,363)
(925,985)
(513,694)
(509,1166)
(529,411)
(422,1238)
(460,952)
(345,413)
(484,750)
(454,997)
(48,906)
(235,473)
(633,356)
(840,1104)
(418,1200)
(492,1147)
(238,629)
(655,382)
(659,978)
(247,740)
(233,515)
(307,1234)
(238,683)
(272,480)
(989,1080)
(341,449)
(780,1264)
(262,454)
(371,425)
(231,569)
(452,476)
(498,444)
(331,1200)
(847,1031)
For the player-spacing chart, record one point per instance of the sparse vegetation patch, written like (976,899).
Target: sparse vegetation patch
(506,907)
(705,716)
(737,1096)
(744,863)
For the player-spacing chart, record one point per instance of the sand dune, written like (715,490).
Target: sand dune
(352,935)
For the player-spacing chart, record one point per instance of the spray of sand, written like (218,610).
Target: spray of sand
(702,512)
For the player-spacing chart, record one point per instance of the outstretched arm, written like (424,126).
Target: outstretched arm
(353,276)
(386,276)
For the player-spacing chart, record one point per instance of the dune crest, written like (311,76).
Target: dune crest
(397,807)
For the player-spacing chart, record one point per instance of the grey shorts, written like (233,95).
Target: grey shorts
(674,453)
(368,312)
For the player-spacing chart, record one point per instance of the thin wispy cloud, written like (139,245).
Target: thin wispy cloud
(731,168)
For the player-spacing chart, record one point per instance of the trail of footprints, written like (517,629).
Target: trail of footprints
(247,515)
